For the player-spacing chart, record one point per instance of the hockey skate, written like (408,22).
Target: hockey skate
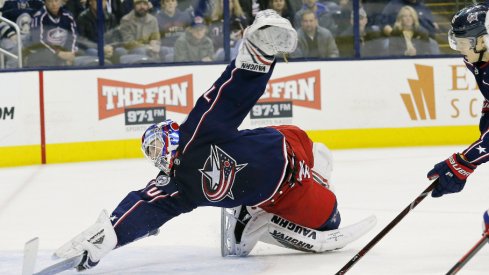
(233,222)
(270,34)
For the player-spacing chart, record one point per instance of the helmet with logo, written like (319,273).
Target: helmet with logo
(466,26)
(160,143)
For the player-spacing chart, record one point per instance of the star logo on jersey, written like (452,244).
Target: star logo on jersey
(218,175)
(481,149)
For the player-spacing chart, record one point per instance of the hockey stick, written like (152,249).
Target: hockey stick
(386,229)
(30,254)
(61,266)
(466,258)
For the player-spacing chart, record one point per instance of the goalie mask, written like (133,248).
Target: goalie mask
(160,143)
(466,26)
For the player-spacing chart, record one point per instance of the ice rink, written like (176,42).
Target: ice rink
(55,202)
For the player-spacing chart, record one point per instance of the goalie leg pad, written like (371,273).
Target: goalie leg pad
(282,232)
(241,229)
(272,229)
(323,165)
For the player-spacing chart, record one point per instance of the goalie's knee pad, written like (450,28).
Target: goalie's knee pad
(241,228)
(323,165)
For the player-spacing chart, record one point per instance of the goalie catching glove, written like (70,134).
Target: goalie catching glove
(451,174)
(93,243)
(270,34)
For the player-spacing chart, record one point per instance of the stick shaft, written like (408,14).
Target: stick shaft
(466,258)
(386,229)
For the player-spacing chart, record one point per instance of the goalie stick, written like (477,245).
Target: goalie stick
(30,254)
(61,266)
(386,229)
(466,258)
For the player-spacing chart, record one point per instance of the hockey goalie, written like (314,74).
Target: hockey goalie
(273,183)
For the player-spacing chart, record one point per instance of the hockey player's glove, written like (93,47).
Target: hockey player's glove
(451,174)
(93,243)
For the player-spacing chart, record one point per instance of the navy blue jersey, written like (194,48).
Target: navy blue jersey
(216,164)
(21,12)
(13,9)
(478,152)
(55,33)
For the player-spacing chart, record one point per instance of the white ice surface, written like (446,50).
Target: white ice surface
(55,202)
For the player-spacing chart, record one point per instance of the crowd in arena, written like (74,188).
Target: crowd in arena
(66,32)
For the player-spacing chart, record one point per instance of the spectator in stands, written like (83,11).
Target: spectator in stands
(323,14)
(235,39)
(391,10)
(314,41)
(216,20)
(374,10)
(140,35)
(408,37)
(343,17)
(7,36)
(283,8)
(126,6)
(21,12)
(295,6)
(88,30)
(8,42)
(75,7)
(252,7)
(172,24)
(53,40)
(115,8)
(194,45)
(371,40)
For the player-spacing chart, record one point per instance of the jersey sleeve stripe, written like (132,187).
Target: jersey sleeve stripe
(483,157)
(210,109)
(136,205)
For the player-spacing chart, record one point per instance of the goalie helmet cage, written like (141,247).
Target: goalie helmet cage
(386,229)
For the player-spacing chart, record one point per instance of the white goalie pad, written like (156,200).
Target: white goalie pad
(272,229)
(323,164)
(287,234)
(255,225)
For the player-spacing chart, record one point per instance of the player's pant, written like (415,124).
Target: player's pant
(306,199)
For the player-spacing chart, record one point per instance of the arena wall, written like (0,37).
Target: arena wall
(81,115)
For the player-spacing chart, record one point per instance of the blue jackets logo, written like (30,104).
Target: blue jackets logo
(218,175)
